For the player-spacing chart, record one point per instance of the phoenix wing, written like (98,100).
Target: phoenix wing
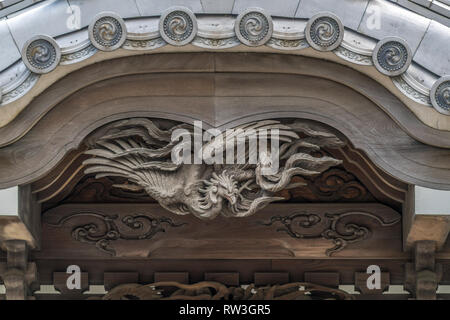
(139,151)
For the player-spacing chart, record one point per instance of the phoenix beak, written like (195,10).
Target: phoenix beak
(231,199)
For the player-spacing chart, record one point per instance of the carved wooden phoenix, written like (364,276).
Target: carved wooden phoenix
(140,151)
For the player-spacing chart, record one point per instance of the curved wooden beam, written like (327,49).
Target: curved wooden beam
(227,90)
(229,63)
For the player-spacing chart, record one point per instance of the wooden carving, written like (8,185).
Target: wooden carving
(90,189)
(138,150)
(17,273)
(103,229)
(209,290)
(333,185)
(279,230)
(423,276)
(338,227)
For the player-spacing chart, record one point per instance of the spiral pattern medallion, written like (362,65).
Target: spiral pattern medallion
(324,32)
(392,56)
(254,28)
(178,26)
(440,95)
(41,54)
(107,32)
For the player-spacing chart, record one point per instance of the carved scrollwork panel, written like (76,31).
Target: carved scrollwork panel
(103,230)
(338,227)
(279,230)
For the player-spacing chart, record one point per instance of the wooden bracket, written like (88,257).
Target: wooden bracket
(17,273)
(422,277)
(270,278)
(426,216)
(24,221)
(328,279)
(226,278)
(113,279)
